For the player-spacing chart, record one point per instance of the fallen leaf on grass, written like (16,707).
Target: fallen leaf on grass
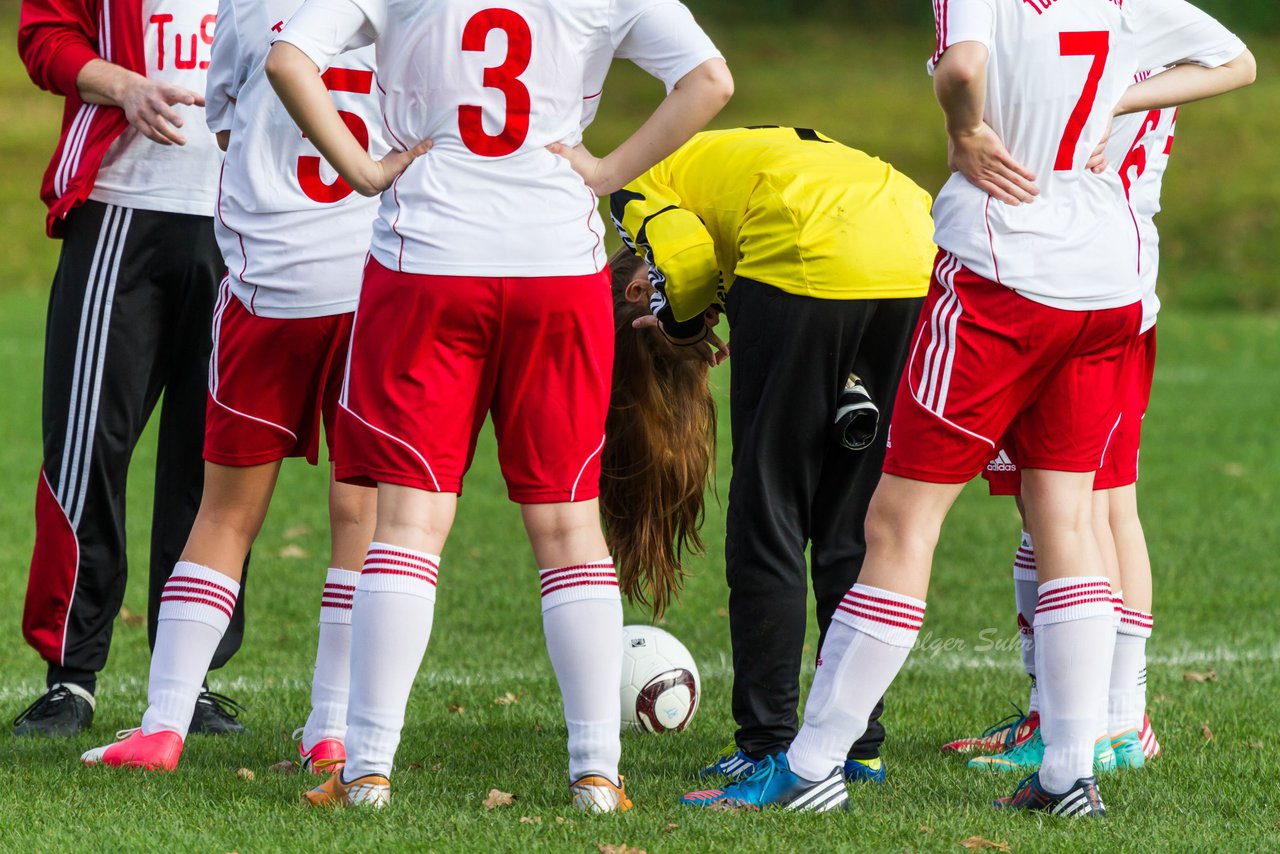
(437,766)
(292,550)
(671,825)
(287,766)
(296,531)
(1256,745)
(924,828)
(722,612)
(1233,470)
(1210,675)
(562,820)
(415,766)
(507,699)
(1159,698)
(531,819)
(622,848)
(498,798)
(244,774)
(456,709)
(1206,732)
(977,843)
(131,619)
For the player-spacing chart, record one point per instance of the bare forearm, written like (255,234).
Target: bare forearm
(105,83)
(1186,83)
(297,81)
(694,101)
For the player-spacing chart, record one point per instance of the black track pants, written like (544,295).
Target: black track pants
(129,319)
(794,485)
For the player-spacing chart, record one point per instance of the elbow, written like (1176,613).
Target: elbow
(721,82)
(713,81)
(956,76)
(1247,68)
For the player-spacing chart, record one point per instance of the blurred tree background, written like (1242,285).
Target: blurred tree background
(1243,15)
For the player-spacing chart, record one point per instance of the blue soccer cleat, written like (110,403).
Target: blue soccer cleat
(864,770)
(774,785)
(1080,801)
(732,764)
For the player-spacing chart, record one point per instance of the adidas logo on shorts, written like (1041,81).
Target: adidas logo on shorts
(1002,463)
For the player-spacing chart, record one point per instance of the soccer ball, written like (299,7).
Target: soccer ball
(660,685)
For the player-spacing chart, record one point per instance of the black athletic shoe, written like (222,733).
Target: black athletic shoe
(1080,801)
(62,711)
(216,714)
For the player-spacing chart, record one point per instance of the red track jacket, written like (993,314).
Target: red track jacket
(57,38)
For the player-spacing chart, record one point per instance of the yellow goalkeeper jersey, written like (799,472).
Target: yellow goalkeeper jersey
(789,207)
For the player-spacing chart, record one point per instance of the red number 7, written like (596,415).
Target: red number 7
(1097,45)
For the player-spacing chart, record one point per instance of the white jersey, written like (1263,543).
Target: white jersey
(492,86)
(1140,143)
(1057,69)
(294,235)
(182,179)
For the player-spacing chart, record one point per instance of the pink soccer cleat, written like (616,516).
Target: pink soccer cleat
(326,756)
(158,751)
(1150,747)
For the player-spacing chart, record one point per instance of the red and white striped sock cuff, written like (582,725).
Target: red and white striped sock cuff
(889,617)
(391,569)
(1076,598)
(1024,562)
(595,579)
(339,591)
(1135,623)
(1117,602)
(200,594)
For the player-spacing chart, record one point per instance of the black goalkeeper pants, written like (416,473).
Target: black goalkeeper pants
(130,315)
(794,486)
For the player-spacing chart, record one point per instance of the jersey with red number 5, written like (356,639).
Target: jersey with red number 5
(1056,70)
(492,83)
(293,234)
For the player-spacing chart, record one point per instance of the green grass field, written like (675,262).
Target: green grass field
(1211,475)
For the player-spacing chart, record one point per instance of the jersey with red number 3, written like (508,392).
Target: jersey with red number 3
(1057,68)
(294,234)
(492,83)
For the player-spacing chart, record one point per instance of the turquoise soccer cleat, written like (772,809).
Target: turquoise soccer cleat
(1128,750)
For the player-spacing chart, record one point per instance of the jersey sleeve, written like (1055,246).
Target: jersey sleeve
(679,250)
(962,21)
(227,70)
(1172,32)
(322,29)
(662,38)
(56,39)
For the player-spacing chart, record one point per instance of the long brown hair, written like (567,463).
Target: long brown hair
(659,452)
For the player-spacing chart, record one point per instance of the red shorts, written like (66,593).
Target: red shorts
(987,363)
(1120,462)
(431,355)
(271,383)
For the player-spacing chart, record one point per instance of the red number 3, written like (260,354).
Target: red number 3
(504,78)
(336,80)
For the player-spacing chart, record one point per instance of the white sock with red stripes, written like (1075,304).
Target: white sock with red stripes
(1075,636)
(195,609)
(391,618)
(1128,698)
(1026,593)
(332,675)
(582,619)
(871,634)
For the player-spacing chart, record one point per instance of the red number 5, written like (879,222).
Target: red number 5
(504,78)
(336,80)
(1098,45)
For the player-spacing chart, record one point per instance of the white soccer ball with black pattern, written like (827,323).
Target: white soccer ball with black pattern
(660,684)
